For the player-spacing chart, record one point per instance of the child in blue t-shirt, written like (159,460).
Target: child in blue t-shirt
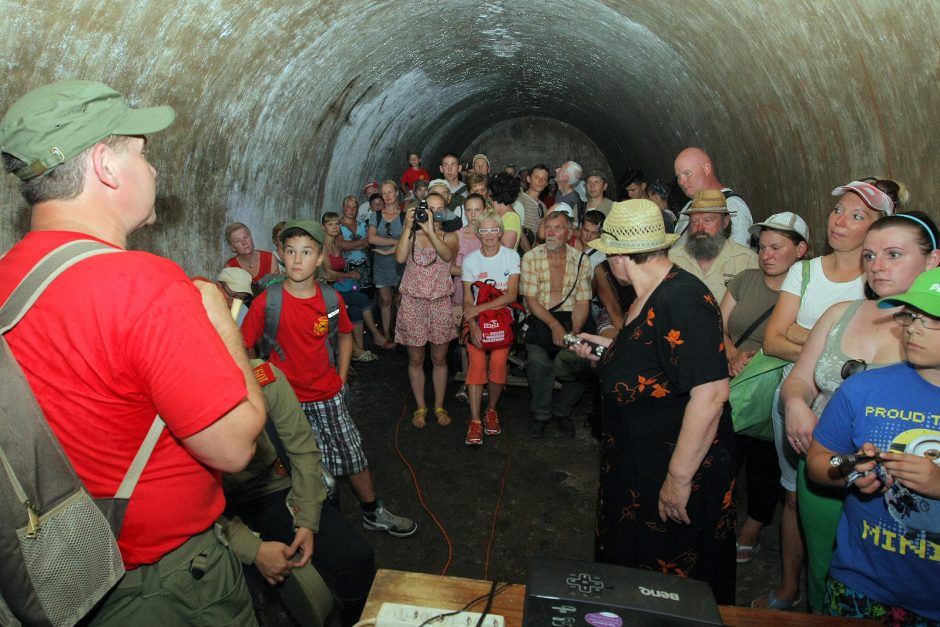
(885,565)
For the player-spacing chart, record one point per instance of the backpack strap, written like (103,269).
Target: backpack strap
(331,300)
(24,295)
(42,274)
(272,317)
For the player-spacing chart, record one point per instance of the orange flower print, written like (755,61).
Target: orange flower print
(710,299)
(728,500)
(659,391)
(625,394)
(674,338)
(643,382)
(650,316)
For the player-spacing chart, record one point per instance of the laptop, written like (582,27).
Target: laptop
(570,593)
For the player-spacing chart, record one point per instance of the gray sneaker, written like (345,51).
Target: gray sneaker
(383,520)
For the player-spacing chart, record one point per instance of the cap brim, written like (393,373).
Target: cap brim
(598,244)
(145,121)
(924,302)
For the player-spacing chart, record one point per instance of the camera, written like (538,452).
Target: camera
(421,213)
(596,349)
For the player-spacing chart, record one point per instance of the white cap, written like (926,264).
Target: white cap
(785,221)
(563,207)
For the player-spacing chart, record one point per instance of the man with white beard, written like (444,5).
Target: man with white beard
(556,284)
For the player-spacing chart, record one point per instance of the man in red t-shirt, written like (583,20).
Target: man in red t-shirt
(302,332)
(104,352)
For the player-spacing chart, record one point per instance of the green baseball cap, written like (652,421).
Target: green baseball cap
(312,228)
(924,294)
(53,123)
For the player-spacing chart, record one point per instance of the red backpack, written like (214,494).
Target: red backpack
(495,324)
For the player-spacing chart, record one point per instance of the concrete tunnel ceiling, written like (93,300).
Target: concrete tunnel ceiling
(284,107)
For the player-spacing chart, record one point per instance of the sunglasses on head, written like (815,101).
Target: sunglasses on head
(853,366)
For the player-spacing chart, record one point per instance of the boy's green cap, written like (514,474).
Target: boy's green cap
(312,228)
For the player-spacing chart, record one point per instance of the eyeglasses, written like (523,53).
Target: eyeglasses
(853,366)
(907,318)
(488,230)
(388,229)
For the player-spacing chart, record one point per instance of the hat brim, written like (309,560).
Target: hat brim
(145,121)
(720,210)
(929,303)
(602,246)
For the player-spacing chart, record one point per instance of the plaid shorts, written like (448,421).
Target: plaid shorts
(336,434)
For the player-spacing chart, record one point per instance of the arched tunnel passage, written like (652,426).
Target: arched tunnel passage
(285,107)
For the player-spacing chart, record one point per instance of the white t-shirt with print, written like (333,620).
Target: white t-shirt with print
(497,268)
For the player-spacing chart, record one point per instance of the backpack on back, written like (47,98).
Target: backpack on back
(272,317)
(58,549)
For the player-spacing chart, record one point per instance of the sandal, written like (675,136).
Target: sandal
(443,418)
(773,603)
(419,418)
(745,552)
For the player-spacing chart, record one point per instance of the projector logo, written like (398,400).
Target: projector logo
(662,594)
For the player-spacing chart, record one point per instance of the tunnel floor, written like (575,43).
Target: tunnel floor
(548,488)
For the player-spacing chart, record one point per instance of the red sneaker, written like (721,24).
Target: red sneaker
(474,434)
(492,423)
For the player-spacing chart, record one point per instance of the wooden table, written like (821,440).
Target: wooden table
(421,589)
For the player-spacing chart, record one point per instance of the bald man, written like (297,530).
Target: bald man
(696,173)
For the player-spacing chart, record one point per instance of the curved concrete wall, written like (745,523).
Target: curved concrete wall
(286,106)
(530,140)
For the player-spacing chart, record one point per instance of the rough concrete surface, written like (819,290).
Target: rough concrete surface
(285,107)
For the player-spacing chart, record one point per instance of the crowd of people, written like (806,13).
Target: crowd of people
(657,302)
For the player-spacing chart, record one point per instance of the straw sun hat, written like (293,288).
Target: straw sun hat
(633,226)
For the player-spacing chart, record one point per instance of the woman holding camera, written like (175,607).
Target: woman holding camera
(425,315)
(667,469)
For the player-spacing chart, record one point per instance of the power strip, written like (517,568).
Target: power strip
(398,615)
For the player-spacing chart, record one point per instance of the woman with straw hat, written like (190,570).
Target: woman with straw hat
(665,501)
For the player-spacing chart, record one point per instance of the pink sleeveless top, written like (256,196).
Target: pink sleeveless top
(426,275)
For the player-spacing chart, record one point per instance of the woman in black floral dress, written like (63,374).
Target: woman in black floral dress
(667,470)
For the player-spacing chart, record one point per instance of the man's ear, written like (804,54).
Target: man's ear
(104,165)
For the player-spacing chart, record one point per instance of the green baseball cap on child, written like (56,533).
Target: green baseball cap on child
(312,228)
(51,124)
(924,294)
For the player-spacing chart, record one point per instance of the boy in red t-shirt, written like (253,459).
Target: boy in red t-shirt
(414,172)
(321,388)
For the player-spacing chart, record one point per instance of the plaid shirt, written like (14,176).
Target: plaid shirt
(535,281)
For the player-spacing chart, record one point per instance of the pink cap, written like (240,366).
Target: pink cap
(870,195)
(370,184)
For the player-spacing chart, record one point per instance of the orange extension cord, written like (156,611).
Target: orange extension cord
(424,505)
